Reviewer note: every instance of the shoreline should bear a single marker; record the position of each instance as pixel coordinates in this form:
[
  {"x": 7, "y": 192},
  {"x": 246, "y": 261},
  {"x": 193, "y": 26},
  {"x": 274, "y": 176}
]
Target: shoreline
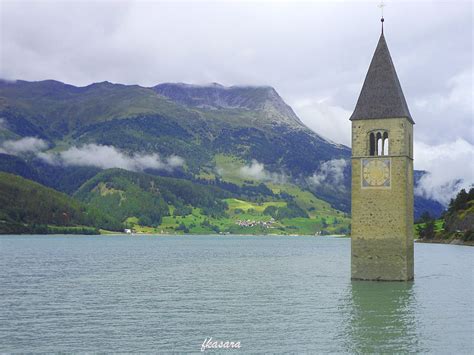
[
  {"x": 459, "y": 242},
  {"x": 181, "y": 235},
  {"x": 231, "y": 234},
  {"x": 446, "y": 241}
]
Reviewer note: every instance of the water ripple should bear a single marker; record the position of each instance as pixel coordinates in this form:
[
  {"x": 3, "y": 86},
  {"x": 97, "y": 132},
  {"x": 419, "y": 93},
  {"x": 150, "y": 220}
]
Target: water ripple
[{"x": 274, "y": 294}]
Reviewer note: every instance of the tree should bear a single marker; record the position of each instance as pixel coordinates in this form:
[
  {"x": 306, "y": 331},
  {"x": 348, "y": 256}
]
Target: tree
[
  {"x": 324, "y": 224},
  {"x": 468, "y": 235},
  {"x": 182, "y": 227},
  {"x": 271, "y": 211},
  {"x": 427, "y": 230},
  {"x": 182, "y": 210},
  {"x": 461, "y": 200},
  {"x": 425, "y": 217}
]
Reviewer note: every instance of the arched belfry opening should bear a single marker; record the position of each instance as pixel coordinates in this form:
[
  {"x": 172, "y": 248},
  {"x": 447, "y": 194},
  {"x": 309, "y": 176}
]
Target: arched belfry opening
[
  {"x": 378, "y": 143},
  {"x": 372, "y": 144},
  {"x": 385, "y": 143}
]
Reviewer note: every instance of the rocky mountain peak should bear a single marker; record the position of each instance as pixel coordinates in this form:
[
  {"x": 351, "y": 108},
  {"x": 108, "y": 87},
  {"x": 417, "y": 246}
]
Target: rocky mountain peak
[{"x": 215, "y": 96}]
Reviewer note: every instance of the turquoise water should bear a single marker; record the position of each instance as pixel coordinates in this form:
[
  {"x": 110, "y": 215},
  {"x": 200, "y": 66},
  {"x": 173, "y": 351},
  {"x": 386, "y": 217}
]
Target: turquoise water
[{"x": 272, "y": 294}]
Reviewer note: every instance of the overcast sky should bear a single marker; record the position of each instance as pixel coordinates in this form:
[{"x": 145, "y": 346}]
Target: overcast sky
[{"x": 315, "y": 54}]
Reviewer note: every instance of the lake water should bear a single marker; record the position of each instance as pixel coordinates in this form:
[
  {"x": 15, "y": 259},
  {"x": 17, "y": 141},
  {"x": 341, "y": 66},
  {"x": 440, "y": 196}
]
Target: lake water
[{"x": 273, "y": 294}]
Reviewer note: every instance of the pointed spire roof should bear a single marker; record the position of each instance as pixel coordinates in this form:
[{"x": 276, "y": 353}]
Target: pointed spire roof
[{"x": 381, "y": 95}]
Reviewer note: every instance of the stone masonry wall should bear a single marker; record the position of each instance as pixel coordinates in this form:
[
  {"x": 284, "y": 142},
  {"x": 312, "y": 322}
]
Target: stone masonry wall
[{"x": 382, "y": 218}]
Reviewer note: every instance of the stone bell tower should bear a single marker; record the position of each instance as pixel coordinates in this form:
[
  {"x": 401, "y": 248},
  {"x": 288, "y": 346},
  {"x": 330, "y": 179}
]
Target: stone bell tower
[{"x": 382, "y": 176}]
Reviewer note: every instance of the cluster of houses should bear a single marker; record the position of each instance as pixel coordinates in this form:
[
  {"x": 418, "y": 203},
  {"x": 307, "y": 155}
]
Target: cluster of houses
[{"x": 250, "y": 223}]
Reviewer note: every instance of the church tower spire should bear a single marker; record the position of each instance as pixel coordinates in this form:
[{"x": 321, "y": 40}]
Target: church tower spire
[{"x": 381, "y": 95}]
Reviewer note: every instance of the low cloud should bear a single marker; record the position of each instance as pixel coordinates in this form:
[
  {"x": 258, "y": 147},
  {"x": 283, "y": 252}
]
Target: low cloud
[
  {"x": 459, "y": 95},
  {"x": 449, "y": 167},
  {"x": 3, "y": 124},
  {"x": 454, "y": 100},
  {"x": 325, "y": 118},
  {"x": 331, "y": 171},
  {"x": 106, "y": 157},
  {"x": 23, "y": 145},
  {"x": 100, "y": 156},
  {"x": 257, "y": 171}
]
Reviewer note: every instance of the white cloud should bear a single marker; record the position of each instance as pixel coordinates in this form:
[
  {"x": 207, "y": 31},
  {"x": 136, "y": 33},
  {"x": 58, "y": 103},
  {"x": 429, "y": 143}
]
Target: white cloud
[
  {"x": 257, "y": 171},
  {"x": 106, "y": 157},
  {"x": 175, "y": 161},
  {"x": 449, "y": 111},
  {"x": 50, "y": 158},
  {"x": 326, "y": 119},
  {"x": 3, "y": 124},
  {"x": 459, "y": 94},
  {"x": 23, "y": 145},
  {"x": 450, "y": 167},
  {"x": 331, "y": 171}
]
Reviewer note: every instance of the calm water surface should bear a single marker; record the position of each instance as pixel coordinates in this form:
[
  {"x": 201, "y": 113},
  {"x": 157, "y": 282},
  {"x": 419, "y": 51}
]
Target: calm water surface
[{"x": 273, "y": 294}]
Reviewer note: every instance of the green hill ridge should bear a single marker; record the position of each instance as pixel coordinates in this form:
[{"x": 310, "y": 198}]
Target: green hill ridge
[{"x": 28, "y": 207}]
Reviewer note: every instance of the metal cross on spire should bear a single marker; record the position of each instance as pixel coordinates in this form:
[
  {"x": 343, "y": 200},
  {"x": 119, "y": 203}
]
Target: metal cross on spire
[{"x": 381, "y": 6}]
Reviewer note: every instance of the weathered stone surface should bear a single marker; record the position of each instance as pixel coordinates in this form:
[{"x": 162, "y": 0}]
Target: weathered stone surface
[
  {"x": 384, "y": 259},
  {"x": 382, "y": 217}
]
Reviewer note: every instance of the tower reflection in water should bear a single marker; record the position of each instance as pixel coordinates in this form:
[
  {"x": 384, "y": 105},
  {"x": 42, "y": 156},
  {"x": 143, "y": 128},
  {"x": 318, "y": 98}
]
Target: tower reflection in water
[{"x": 382, "y": 319}]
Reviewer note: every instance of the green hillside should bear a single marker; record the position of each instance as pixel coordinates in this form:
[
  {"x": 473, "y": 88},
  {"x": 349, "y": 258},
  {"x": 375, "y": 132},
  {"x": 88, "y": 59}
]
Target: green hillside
[
  {"x": 148, "y": 198},
  {"x": 154, "y": 204},
  {"x": 28, "y": 207},
  {"x": 245, "y": 142}
]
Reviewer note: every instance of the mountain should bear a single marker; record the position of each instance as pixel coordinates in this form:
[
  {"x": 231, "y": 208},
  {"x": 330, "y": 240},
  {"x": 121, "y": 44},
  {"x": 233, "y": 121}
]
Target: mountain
[
  {"x": 238, "y": 133},
  {"x": 157, "y": 204},
  {"x": 128, "y": 194},
  {"x": 26, "y": 206},
  {"x": 105, "y": 112},
  {"x": 264, "y": 99}
]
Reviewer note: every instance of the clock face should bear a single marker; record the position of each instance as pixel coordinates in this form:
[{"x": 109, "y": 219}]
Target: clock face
[{"x": 375, "y": 172}]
